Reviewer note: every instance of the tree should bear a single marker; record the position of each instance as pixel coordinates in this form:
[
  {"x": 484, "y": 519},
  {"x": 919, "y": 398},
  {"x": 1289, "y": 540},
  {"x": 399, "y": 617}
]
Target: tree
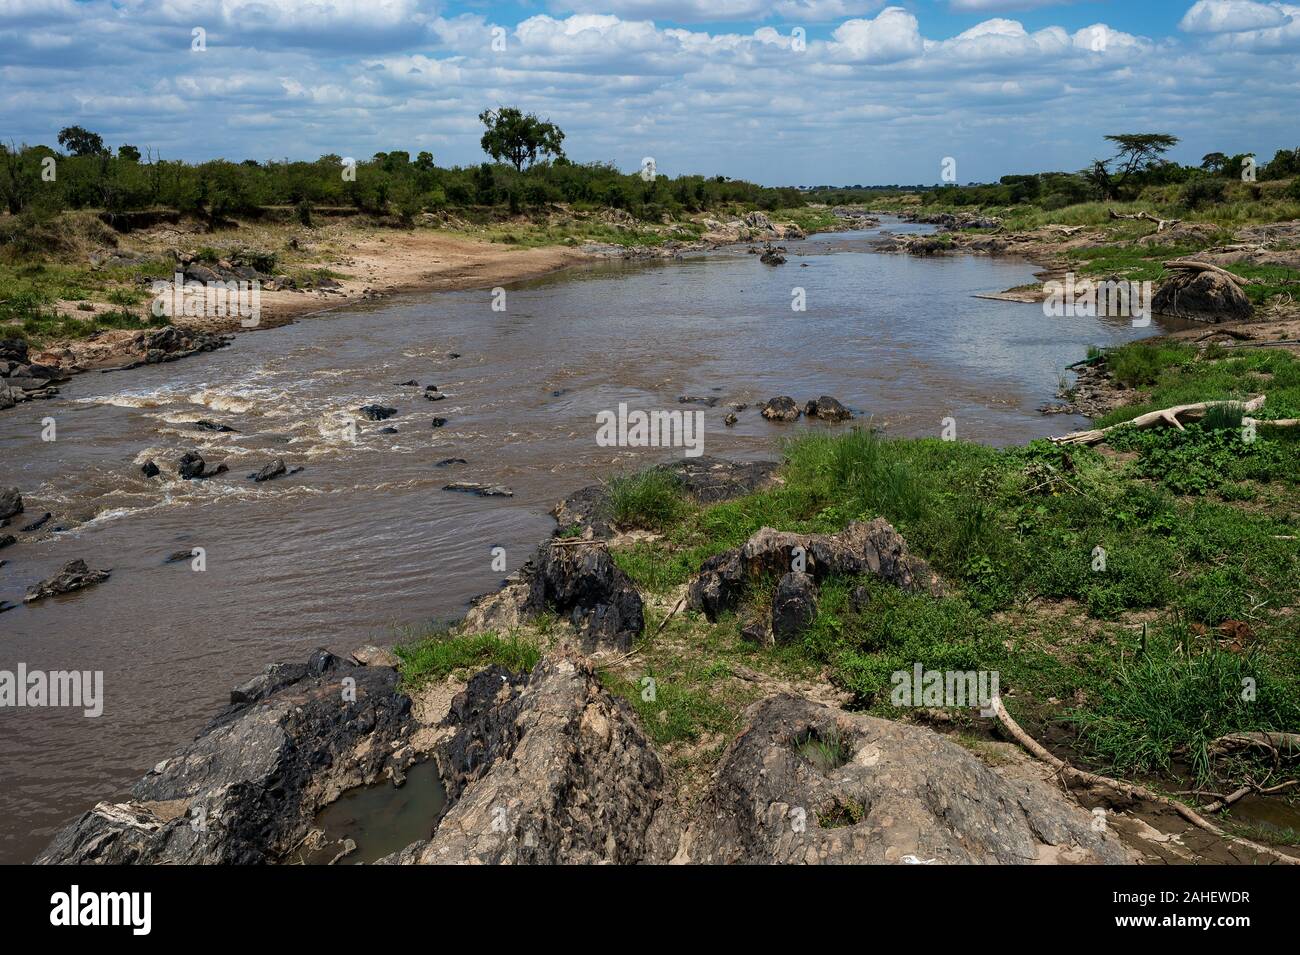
[
  {"x": 1214, "y": 162},
  {"x": 81, "y": 142},
  {"x": 518, "y": 138},
  {"x": 128, "y": 152},
  {"x": 1137, "y": 151}
]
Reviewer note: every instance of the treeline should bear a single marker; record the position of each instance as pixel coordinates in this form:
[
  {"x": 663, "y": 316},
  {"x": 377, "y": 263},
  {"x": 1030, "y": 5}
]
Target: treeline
[
  {"x": 41, "y": 180},
  {"x": 1138, "y": 166}
]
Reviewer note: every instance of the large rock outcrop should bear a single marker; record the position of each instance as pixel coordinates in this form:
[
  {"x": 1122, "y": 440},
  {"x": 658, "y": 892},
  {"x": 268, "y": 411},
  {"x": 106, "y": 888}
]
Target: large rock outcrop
[
  {"x": 246, "y": 790},
  {"x": 872, "y": 547},
  {"x": 1202, "y": 297},
  {"x": 548, "y": 768},
  {"x": 805, "y": 783}
]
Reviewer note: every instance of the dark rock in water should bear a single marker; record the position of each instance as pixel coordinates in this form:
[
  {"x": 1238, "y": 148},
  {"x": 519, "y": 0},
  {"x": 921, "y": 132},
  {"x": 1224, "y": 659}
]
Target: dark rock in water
[
  {"x": 582, "y": 582},
  {"x": 412, "y": 383},
  {"x": 270, "y": 471},
  {"x": 730, "y": 419},
  {"x": 861, "y": 548},
  {"x": 377, "y": 412},
  {"x": 248, "y": 788},
  {"x": 454, "y": 354},
  {"x": 482, "y": 490},
  {"x": 793, "y": 606},
  {"x": 388, "y": 430},
  {"x": 5, "y": 604},
  {"x": 560, "y": 392},
  {"x": 74, "y": 576},
  {"x": 449, "y": 461},
  {"x": 430, "y": 387},
  {"x": 439, "y": 422},
  {"x": 781, "y": 408},
  {"x": 7, "y": 540},
  {"x": 879, "y": 792},
  {"x": 192, "y": 467},
  {"x": 11, "y": 502},
  {"x": 434, "y": 396},
  {"x": 175, "y": 557},
  {"x": 548, "y": 768},
  {"x": 827, "y": 409},
  {"x": 708, "y": 401},
  {"x": 150, "y": 469},
  {"x": 1202, "y": 297},
  {"x": 38, "y": 523},
  {"x": 205, "y": 425},
  {"x": 772, "y": 256}
]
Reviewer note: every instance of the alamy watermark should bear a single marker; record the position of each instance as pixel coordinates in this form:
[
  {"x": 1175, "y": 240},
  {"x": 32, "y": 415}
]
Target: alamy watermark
[
  {"x": 651, "y": 429},
  {"x": 78, "y": 689},
  {"x": 956, "y": 688}
]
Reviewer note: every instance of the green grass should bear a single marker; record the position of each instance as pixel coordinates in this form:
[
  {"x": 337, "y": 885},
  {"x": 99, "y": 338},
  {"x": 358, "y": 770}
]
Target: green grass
[
  {"x": 439, "y": 653},
  {"x": 1197, "y": 528},
  {"x": 651, "y": 499}
]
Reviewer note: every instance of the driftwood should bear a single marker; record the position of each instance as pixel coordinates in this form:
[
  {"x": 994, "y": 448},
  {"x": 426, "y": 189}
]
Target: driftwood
[
  {"x": 1145, "y": 216},
  {"x": 1191, "y": 265},
  {"x": 1287, "y": 743},
  {"x": 1165, "y": 416},
  {"x": 1131, "y": 790}
]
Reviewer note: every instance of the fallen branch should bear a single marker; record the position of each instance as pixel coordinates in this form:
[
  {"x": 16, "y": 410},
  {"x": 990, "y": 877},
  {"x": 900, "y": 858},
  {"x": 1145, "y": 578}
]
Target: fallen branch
[
  {"x": 1132, "y": 790},
  {"x": 1288, "y": 743},
  {"x": 1160, "y": 223},
  {"x": 1165, "y": 416},
  {"x": 1191, "y": 265}
]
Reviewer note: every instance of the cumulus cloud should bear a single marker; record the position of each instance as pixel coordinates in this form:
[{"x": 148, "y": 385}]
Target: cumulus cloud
[
  {"x": 1233, "y": 16},
  {"x": 872, "y": 96}
]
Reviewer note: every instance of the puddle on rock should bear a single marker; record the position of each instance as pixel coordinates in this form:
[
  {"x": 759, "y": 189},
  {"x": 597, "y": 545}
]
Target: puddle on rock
[{"x": 379, "y": 819}]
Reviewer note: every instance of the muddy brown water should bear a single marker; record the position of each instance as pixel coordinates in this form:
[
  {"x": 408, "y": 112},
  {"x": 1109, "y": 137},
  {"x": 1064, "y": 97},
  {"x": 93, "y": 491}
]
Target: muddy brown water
[{"x": 364, "y": 540}]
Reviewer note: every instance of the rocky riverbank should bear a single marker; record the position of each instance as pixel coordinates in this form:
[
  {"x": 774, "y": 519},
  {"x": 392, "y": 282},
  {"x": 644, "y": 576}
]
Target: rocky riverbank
[{"x": 547, "y": 765}]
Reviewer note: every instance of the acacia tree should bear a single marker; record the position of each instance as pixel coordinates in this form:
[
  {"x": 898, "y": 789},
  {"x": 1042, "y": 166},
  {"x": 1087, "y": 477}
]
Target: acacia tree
[
  {"x": 519, "y": 138},
  {"x": 1138, "y": 152}
]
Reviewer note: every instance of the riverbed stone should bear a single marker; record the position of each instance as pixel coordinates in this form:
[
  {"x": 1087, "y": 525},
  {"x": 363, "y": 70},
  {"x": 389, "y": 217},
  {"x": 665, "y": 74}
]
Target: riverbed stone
[
  {"x": 11, "y": 502},
  {"x": 827, "y": 408},
  {"x": 781, "y": 408},
  {"x": 547, "y": 768},
  {"x": 805, "y": 783},
  {"x": 247, "y": 789},
  {"x": 75, "y": 575}
]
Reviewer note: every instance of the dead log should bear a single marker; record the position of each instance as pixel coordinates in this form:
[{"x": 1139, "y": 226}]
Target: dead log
[
  {"x": 1147, "y": 217},
  {"x": 1165, "y": 416},
  {"x": 1131, "y": 790}
]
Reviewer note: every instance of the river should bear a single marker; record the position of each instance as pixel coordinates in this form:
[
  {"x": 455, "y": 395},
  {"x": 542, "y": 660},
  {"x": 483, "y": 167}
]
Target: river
[{"x": 365, "y": 540}]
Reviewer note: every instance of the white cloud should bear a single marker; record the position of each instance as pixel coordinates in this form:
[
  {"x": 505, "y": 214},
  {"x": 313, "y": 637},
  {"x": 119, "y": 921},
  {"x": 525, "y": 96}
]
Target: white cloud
[
  {"x": 893, "y": 35},
  {"x": 1233, "y": 16}
]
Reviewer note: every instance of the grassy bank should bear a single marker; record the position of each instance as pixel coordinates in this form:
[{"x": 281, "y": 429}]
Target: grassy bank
[{"x": 1134, "y": 666}]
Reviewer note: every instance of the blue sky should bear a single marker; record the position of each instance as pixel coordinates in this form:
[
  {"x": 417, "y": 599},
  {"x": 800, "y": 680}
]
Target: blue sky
[{"x": 779, "y": 91}]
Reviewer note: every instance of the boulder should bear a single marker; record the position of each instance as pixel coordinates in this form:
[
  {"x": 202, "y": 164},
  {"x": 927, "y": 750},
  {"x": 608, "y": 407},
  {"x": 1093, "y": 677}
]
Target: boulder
[
  {"x": 376, "y": 412},
  {"x": 547, "y": 768},
  {"x": 150, "y": 469},
  {"x": 482, "y": 490},
  {"x": 11, "y": 502},
  {"x": 811, "y": 784},
  {"x": 794, "y": 605},
  {"x": 270, "y": 471},
  {"x": 248, "y": 788},
  {"x": 781, "y": 408},
  {"x": 74, "y": 576},
  {"x": 192, "y": 467},
  {"x": 583, "y": 583},
  {"x": 1202, "y": 297},
  {"x": 827, "y": 409},
  {"x": 871, "y": 547}
]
